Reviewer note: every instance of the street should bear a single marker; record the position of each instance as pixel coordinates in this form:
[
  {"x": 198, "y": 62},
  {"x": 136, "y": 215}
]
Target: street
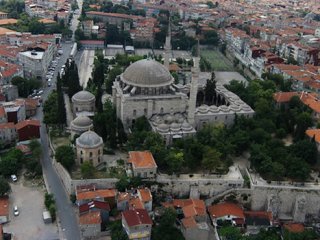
[{"x": 65, "y": 211}]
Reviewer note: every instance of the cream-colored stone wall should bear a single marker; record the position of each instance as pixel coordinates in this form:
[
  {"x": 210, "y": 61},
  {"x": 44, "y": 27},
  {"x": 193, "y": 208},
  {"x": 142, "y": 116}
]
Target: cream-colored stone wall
[
  {"x": 83, "y": 106},
  {"x": 93, "y": 155}
]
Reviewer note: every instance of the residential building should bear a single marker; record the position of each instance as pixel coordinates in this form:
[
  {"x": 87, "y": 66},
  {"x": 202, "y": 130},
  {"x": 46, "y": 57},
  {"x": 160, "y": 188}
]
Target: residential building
[
  {"x": 96, "y": 206},
  {"x": 10, "y": 92},
  {"x": 137, "y": 224},
  {"x": 8, "y": 71},
  {"x": 92, "y": 44},
  {"x": 103, "y": 195},
  {"x": 257, "y": 220},
  {"x": 15, "y": 110},
  {"x": 145, "y": 196},
  {"x": 28, "y": 129},
  {"x": 3, "y": 115},
  {"x": 4, "y": 210},
  {"x": 226, "y": 212},
  {"x": 8, "y": 134},
  {"x": 112, "y": 18},
  {"x": 36, "y": 61},
  {"x": 87, "y": 27},
  {"x": 142, "y": 164},
  {"x": 3, "y": 15},
  {"x": 90, "y": 224}
]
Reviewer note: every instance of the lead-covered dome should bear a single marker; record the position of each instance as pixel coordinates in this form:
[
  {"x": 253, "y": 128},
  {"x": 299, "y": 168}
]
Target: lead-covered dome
[
  {"x": 89, "y": 139},
  {"x": 82, "y": 121},
  {"x": 147, "y": 73},
  {"x": 83, "y": 96}
]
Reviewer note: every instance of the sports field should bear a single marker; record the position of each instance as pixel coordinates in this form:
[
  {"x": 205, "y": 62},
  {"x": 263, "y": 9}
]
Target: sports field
[{"x": 217, "y": 60}]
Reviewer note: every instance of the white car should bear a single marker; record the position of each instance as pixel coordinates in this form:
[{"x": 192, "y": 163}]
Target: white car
[
  {"x": 14, "y": 178},
  {"x": 16, "y": 211}
]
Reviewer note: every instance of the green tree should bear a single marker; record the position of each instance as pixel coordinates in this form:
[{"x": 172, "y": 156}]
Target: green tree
[
  {"x": 87, "y": 170},
  {"x": 211, "y": 159},
  {"x": 175, "y": 161},
  {"x": 61, "y": 114},
  {"x": 113, "y": 73},
  {"x": 11, "y": 162},
  {"x": 165, "y": 229},
  {"x": 50, "y": 109},
  {"x": 117, "y": 231},
  {"x": 4, "y": 187},
  {"x": 65, "y": 155},
  {"x": 25, "y": 86}
]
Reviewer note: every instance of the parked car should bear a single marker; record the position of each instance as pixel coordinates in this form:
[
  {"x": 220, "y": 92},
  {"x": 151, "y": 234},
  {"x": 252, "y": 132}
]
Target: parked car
[
  {"x": 14, "y": 178},
  {"x": 16, "y": 211}
]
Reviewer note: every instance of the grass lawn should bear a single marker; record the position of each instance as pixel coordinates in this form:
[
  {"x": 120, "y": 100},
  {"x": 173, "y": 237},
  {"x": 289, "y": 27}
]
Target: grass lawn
[{"x": 217, "y": 60}]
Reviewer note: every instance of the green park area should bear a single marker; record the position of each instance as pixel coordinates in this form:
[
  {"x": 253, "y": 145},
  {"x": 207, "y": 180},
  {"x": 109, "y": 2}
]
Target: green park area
[{"x": 217, "y": 60}]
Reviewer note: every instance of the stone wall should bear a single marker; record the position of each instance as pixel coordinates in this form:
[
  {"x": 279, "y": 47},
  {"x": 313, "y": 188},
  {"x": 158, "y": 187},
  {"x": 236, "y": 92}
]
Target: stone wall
[
  {"x": 206, "y": 186},
  {"x": 285, "y": 199}
]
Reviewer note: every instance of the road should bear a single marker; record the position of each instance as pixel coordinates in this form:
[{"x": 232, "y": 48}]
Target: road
[{"x": 66, "y": 214}]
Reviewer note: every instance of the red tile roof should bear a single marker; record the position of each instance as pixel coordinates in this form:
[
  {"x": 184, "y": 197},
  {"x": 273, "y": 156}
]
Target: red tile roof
[
  {"x": 99, "y": 193},
  {"x": 284, "y": 97},
  {"x": 294, "y": 227},
  {"x": 25, "y": 123},
  {"x": 197, "y": 208},
  {"x": 136, "y": 217},
  {"x": 94, "y": 204},
  {"x": 90, "y": 218},
  {"x": 4, "y": 206},
  {"x": 2, "y": 111},
  {"x": 9, "y": 125},
  {"x": 314, "y": 133},
  {"x": 145, "y": 194},
  {"x": 135, "y": 203},
  {"x": 225, "y": 209},
  {"x": 189, "y": 222},
  {"x": 140, "y": 159}
]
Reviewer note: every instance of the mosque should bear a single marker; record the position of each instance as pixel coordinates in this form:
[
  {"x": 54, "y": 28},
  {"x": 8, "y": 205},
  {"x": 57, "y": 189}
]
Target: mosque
[{"x": 146, "y": 88}]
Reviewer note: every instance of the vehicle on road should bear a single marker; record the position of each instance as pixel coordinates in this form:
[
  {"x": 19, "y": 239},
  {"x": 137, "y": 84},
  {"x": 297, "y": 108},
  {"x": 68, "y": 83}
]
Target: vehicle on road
[
  {"x": 40, "y": 92},
  {"x": 16, "y": 211},
  {"x": 14, "y": 178}
]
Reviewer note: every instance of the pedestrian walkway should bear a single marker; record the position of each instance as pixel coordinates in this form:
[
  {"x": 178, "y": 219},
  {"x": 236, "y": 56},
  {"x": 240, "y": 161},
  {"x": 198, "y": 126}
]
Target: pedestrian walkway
[{"x": 68, "y": 109}]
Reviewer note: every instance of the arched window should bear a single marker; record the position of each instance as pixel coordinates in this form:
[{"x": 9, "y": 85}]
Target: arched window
[
  {"x": 134, "y": 113},
  {"x": 161, "y": 110}
]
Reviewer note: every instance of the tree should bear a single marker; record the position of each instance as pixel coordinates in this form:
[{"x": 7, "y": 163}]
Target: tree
[
  {"x": 210, "y": 89},
  {"x": 113, "y": 73},
  {"x": 117, "y": 232},
  {"x": 165, "y": 229},
  {"x": 65, "y": 155},
  {"x": 4, "y": 187},
  {"x": 11, "y": 162},
  {"x": 306, "y": 150},
  {"x": 211, "y": 159},
  {"x": 87, "y": 170},
  {"x": 50, "y": 109},
  {"x": 230, "y": 233},
  {"x": 35, "y": 148},
  {"x": 175, "y": 161},
  {"x": 60, "y": 103},
  {"x": 25, "y": 86}
]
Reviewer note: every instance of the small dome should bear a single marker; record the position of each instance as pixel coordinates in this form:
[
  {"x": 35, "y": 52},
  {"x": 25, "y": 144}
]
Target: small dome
[
  {"x": 169, "y": 119},
  {"x": 186, "y": 126},
  {"x": 203, "y": 109},
  {"x": 235, "y": 108},
  {"x": 214, "y": 109},
  {"x": 175, "y": 127},
  {"x": 224, "y": 108},
  {"x": 82, "y": 121},
  {"x": 147, "y": 73},
  {"x": 89, "y": 139},
  {"x": 163, "y": 127},
  {"x": 83, "y": 96}
]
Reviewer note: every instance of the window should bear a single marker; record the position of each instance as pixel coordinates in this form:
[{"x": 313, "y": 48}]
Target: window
[
  {"x": 81, "y": 152},
  {"x": 134, "y": 112},
  {"x": 98, "y": 159},
  {"x": 161, "y": 110},
  {"x": 145, "y": 111},
  {"x": 90, "y": 154},
  {"x": 99, "y": 151},
  {"x": 81, "y": 160}
]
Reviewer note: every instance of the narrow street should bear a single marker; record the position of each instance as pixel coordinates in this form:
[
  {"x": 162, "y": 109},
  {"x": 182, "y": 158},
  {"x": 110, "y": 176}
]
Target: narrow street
[{"x": 65, "y": 210}]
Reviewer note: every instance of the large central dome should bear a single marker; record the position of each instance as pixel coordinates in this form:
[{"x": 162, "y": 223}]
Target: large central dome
[{"x": 147, "y": 73}]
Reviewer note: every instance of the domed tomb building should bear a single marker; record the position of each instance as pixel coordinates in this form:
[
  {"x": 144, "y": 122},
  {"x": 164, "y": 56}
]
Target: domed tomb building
[
  {"x": 80, "y": 125},
  {"x": 89, "y": 148},
  {"x": 83, "y": 103}
]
